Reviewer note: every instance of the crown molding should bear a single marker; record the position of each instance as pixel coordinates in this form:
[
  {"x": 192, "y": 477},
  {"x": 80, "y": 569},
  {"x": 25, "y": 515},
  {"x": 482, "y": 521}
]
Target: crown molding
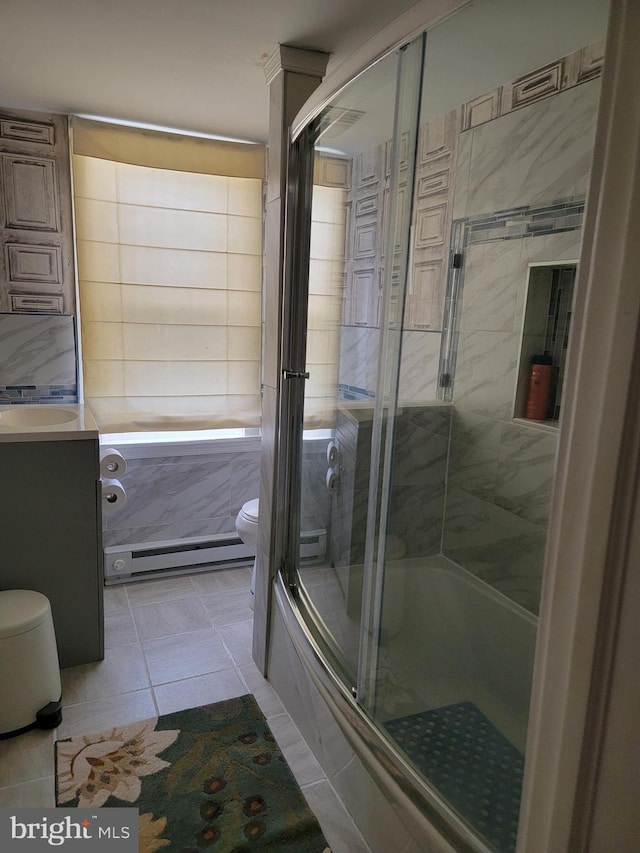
[{"x": 298, "y": 60}]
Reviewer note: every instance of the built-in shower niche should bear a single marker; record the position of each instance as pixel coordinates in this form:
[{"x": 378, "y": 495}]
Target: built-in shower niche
[{"x": 547, "y": 320}]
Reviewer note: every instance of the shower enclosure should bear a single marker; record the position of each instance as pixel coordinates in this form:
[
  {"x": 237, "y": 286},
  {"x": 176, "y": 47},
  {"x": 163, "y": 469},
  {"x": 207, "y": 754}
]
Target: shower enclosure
[{"x": 437, "y": 203}]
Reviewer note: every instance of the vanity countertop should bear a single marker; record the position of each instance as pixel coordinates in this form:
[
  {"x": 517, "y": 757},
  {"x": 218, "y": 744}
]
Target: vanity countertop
[{"x": 46, "y": 422}]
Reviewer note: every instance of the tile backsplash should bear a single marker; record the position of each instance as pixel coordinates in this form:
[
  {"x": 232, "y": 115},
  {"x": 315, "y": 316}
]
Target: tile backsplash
[{"x": 37, "y": 359}]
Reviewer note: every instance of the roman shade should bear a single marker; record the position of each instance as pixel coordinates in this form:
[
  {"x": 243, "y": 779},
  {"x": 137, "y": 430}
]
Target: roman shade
[{"x": 169, "y": 246}]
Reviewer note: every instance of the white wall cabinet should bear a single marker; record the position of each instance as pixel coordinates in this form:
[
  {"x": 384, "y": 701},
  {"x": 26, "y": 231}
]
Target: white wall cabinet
[{"x": 36, "y": 234}]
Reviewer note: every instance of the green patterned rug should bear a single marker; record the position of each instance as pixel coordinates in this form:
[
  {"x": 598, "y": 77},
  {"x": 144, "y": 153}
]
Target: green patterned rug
[{"x": 210, "y": 778}]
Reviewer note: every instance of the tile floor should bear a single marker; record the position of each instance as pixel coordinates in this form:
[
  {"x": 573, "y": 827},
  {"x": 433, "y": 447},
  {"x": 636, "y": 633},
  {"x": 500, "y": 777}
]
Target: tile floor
[{"x": 171, "y": 644}]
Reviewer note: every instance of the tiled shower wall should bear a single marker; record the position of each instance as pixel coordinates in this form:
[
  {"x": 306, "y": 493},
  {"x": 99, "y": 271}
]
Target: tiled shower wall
[
  {"x": 37, "y": 359},
  {"x": 516, "y": 185},
  {"x": 421, "y": 440},
  {"x": 442, "y": 194},
  {"x": 359, "y": 363},
  {"x": 501, "y": 469}
]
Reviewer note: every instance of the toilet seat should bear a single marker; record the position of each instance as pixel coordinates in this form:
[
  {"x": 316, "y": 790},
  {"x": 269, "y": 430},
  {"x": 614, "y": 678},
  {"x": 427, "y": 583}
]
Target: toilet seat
[{"x": 249, "y": 511}]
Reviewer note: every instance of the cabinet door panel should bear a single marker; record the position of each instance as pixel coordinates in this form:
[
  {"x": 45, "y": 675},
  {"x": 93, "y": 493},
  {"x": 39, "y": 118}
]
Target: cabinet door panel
[
  {"x": 27, "y": 131},
  {"x": 30, "y": 193},
  {"x": 28, "y": 264}
]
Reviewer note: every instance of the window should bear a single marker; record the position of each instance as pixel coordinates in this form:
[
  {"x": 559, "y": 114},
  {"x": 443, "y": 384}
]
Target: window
[{"x": 169, "y": 242}]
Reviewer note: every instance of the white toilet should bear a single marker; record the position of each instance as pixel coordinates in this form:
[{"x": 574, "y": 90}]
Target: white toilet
[{"x": 247, "y": 530}]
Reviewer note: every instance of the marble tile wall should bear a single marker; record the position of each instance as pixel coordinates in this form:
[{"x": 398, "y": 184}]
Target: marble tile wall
[
  {"x": 358, "y": 365},
  {"x": 178, "y": 496},
  {"x": 501, "y": 470},
  {"x": 519, "y": 183},
  {"x": 183, "y": 495},
  {"x": 419, "y": 365},
  {"x": 418, "y": 481},
  {"x": 538, "y": 154},
  {"x": 497, "y": 546},
  {"x": 316, "y": 499},
  {"x": 37, "y": 359},
  {"x": 419, "y": 478},
  {"x": 350, "y": 499},
  {"x": 359, "y": 355}
]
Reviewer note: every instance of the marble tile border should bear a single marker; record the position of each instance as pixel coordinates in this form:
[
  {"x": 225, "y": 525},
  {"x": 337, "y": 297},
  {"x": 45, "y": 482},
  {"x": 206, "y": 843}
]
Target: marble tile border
[
  {"x": 523, "y": 222},
  {"x": 352, "y": 392},
  {"x": 12, "y": 395},
  {"x": 564, "y": 73}
]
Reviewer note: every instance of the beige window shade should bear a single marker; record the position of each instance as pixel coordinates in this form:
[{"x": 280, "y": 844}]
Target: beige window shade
[
  {"x": 174, "y": 151},
  {"x": 170, "y": 270},
  {"x": 326, "y": 297}
]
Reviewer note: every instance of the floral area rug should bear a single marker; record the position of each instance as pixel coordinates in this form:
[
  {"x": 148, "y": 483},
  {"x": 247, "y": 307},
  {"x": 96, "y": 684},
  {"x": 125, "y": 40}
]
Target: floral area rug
[{"x": 210, "y": 778}]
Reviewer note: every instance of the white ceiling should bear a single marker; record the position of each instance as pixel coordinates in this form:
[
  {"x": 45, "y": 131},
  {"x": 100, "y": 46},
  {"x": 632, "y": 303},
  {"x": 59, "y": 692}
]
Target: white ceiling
[{"x": 189, "y": 64}]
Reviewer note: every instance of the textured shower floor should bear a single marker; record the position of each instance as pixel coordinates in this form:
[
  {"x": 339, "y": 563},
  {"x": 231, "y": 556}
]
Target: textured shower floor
[{"x": 471, "y": 763}]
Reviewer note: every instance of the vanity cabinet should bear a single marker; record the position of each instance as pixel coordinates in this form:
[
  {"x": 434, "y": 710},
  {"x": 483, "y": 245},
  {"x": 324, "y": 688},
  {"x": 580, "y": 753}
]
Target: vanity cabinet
[{"x": 51, "y": 537}]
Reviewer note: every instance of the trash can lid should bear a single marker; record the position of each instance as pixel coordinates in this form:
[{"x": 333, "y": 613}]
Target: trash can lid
[{"x": 21, "y": 610}]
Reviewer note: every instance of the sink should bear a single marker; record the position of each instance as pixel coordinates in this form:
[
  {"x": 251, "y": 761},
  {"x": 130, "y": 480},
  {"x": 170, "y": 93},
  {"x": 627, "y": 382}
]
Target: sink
[{"x": 36, "y": 416}]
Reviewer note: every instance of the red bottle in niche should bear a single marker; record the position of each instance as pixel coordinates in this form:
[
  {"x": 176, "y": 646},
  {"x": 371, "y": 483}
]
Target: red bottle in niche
[{"x": 539, "y": 387}]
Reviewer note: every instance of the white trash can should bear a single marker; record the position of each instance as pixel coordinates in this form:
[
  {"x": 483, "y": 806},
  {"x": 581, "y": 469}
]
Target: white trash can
[{"x": 29, "y": 667}]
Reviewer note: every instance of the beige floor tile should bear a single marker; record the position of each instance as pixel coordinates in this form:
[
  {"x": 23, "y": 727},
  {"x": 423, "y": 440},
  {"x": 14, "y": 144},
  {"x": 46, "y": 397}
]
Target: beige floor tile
[
  {"x": 26, "y": 757},
  {"x": 369, "y": 805},
  {"x": 164, "y": 589},
  {"x": 299, "y": 757},
  {"x": 202, "y": 690},
  {"x": 185, "y": 656},
  {"x": 266, "y": 696},
  {"x": 119, "y": 628},
  {"x": 198, "y": 665},
  {"x": 171, "y": 617},
  {"x": 337, "y": 825},
  {"x": 228, "y": 607},
  {"x": 238, "y": 638},
  {"x": 36, "y": 793},
  {"x": 104, "y": 713},
  {"x": 222, "y": 580},
  {"x": 122, "y": 670},
  {"x": 115, "y": 598}
]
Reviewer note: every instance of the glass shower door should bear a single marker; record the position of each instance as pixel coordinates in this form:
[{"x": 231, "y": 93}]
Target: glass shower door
[
  {"x": 363, "y": 150},
  {"x": 445, "y": 209},
  {"x": 505, "y": 143}
]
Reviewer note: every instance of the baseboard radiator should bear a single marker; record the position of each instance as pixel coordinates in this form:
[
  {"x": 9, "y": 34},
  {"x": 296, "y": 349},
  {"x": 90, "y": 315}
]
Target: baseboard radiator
[{"x": 123, "y": 563}]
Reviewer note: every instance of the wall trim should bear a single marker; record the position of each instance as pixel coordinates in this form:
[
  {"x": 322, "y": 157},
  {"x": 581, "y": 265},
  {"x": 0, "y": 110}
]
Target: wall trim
[{"x": 297, "y": 60}]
